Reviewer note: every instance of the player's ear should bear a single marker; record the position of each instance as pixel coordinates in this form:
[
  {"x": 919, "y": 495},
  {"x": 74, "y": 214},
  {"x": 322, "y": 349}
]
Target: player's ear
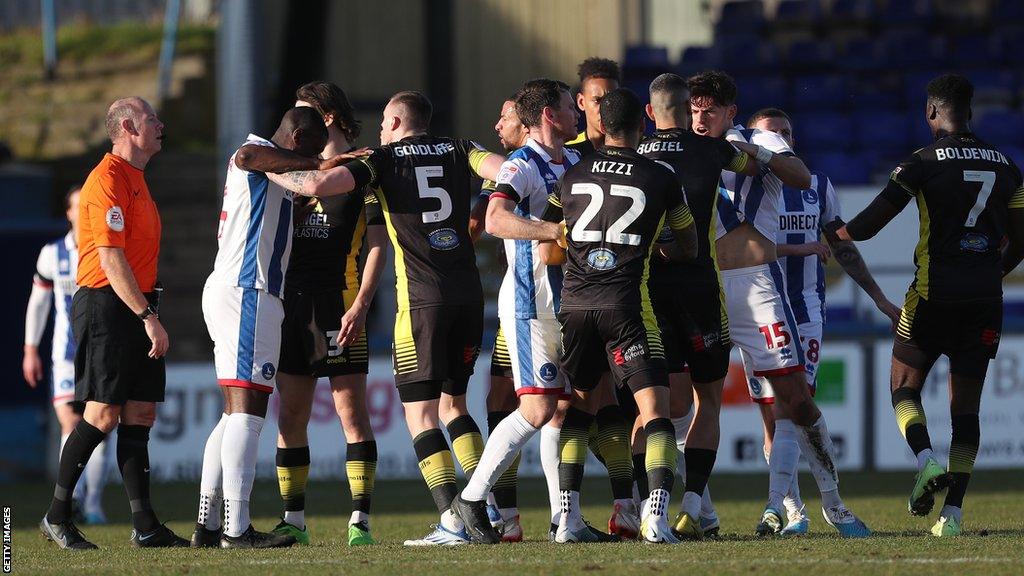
[
  {"x": 600, "y": 126},
  {"x": 395, "y": 123},
  {"x": 730, "y": 112},
  {"x": 580, "y": 100},
  {"x": 328, "y": 119},
  {"x": 128, "y": 126},
  {"x": 650, "y": 112}
]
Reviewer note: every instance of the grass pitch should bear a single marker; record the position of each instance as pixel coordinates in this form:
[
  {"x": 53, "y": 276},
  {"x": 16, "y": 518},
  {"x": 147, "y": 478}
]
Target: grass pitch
[{"x": 993, "y": 519}]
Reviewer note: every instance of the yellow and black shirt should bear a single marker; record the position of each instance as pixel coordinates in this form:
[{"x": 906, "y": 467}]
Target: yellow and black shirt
[
  {"x": 422, "y": 186},
  {"x": 698, "y": 162},
  {"x": 964, "y": 189},
  {"x": 582, "y": 145},
  {"x": 614, "y": 203}
]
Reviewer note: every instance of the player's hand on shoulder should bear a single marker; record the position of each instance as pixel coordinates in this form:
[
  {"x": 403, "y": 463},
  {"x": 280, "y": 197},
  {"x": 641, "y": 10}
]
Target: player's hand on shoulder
[{"x": 338, "y": 160}]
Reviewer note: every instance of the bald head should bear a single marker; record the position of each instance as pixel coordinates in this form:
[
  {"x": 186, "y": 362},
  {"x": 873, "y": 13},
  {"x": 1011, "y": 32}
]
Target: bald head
[
  {"x": 131, "y": 108},
  {"x": 669, "y": 101},
  {"x": 302, "y": 130}
]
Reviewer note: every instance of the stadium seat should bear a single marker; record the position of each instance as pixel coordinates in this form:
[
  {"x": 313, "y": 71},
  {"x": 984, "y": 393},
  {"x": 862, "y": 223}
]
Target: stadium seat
[
  {"x": 973, "y": 51},
  {"x": 639, "y": 58},
  {"x": 914, "y": 49},
  {"x": 1001, "y": 128},
  {"x": 745, "y": 54},
  {"x": 823, "y": 131},
  {"x": 696, "y": 58},
  {"x": 852, "y": 11},
  {"x": 820, "y": 92},
  {"x": 810, "y": 55},
  {"x": 841, "y": 168},
  {"x": 797, "y": 12},
  {"x": 914, "y": 84},
  {"x": 740, "y": 18},
  {"x": 994, "y": 87},
  {"x": 915, "y": 14},
  {"x": 863, "y": 54},
  {"x": 882, "y": 130},
  {"x": 1008, "y": 12},
  {"x": 1014, "y": 153},
  {"x": 756, "y": 92},
  {"x": 877, "y": 90},
  {"x": 1009, "y": 44}
]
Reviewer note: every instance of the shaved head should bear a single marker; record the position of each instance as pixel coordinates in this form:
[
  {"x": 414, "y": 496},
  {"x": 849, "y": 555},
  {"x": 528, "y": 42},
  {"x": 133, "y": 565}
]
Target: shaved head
[
  {"x": 670, "y": 99},
  {"x": 131, "y": 108}
]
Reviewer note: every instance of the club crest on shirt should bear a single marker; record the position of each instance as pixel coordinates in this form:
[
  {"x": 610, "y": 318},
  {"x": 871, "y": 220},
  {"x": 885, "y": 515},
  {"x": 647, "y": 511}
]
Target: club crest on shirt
[
  {"x": 601, "y": 259},
  {"x": 810, "y": 196},
  {"x": 548, "y": 372},
  {"x": 443, "y": 239},
  {"x": 268, "y": 370}
]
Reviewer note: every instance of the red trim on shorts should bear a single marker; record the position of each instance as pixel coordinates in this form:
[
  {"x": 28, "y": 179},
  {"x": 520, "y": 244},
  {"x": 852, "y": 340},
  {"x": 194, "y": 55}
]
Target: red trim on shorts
[
  {"x": 64, "y": 398},
  {"x": 770, "y": 400},
  {"x": 42, "y": 284},
  {"x": 497, "y": 194},
  {"x": 779, "y": 371},
  {"x": 235, "y": 383},
  {"x": 539, "y": 390}
]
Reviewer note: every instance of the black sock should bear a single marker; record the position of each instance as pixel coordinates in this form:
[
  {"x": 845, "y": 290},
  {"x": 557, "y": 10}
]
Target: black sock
[
  {"x": 133, "y": 461},
  {"x": 911, "y": 419},
  {"x": 292, "y": 473},
  {"x": 77, "y": 450},
  {"x": 962, "y": 452},
  {"x": 640, "y": 475},
  {"x": 699, "y": 463},
  {"x": 361, "y": 467},
  {"x": 662, "y": 454},
  {"x": 613, "y": 443},
  {"x": 437, "y": 467},
  {"x": 572, "y": 444}
]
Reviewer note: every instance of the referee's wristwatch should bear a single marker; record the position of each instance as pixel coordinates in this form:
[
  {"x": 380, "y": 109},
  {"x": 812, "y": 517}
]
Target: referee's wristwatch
[{"x": 149, "y": 311}]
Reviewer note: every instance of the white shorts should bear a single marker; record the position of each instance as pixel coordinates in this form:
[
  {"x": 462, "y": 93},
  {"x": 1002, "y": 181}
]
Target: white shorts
[
  {"x": 245, "y": 326},
  {"x": 534, "y": 349},
  {"x": 761, "y": 321},
  {"x": 810, "y": 336},
  {"x": 63, "y": 382}
]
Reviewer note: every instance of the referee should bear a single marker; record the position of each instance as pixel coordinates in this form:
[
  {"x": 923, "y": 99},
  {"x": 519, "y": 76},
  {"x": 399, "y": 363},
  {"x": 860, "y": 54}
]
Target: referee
[{"x": 119, "y": 366}]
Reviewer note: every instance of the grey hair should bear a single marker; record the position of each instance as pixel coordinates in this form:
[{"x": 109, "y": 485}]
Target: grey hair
[{"x": 122, "y": 109}]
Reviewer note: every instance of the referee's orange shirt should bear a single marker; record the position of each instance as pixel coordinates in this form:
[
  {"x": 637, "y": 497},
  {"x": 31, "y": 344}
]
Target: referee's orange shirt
[{"x": 116, "y": 210}]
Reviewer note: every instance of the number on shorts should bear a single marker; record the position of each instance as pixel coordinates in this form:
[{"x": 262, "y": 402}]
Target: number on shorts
[
  {"x": 813, "y": 350},
  {"x": 774, "y": 335},
  {"x": 615, "y": 234},
  {"x": 988, "y": 180},
  {"x": 332, "y": 343},
  {"x": 427, "y": 191}
]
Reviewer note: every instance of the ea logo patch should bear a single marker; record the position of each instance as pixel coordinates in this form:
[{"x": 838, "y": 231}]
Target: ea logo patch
[
  {"x": 548, "y": 372},
  {"x": 755, "y": 386},
  {"x": 268, "y": 371},
  {"x": 601, "y": 259},
  {"x": 810, "y": 196},
  {"x": 115, "y": 219},
  {"x": 444, "y": 239},
  {"x": 666, "y": 235},
  {"x": 972, "y": 242}
]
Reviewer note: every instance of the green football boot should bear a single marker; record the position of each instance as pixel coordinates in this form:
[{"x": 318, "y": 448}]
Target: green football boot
[
  {"x": 286, "y": 529},
  {"x": 930, "y": 481},
  {"x": 946, "y": 527},
  {"x": 359, "y": 534}
]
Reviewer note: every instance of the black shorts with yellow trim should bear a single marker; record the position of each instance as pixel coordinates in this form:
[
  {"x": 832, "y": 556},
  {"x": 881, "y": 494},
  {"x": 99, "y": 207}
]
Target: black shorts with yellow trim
[
  {"x": 435, "y": 350},
  {"x": 626, "y": 339},
  {"x": 309, "y": 334},
  {"x": 694, "y": 328},
  {"x": 966, "y": 332},
  {"x": 501, "y": 362}
]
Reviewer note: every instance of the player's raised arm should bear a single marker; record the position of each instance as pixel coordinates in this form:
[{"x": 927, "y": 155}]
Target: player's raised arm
[
  {"x": 886, "y": 206},
  {"x": 485, "y": 164},
  {"x": 500, "y": 219},
  {"x": 772, "y": 151},
  {"x": 257, "y": 158}
]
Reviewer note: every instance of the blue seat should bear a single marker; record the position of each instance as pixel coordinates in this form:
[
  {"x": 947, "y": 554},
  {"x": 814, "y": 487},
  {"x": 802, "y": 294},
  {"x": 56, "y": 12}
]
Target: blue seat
[
  {"x": 756, "y": 92},
  {"x": 796, "y": 12},
  {"x": 823, "y": 131},
  {"x": 875, "y": 90},
  {"x": 914, "y": 84},
  {"x": 883, "y": 131},
  {"x": 907, "y": 13},
  {"x": 864, "y": 54},
  {"x": 1001, "y": 127},
  {"x": 994, "y": 86},
  {"x": 973, "y": 51},
  {"x": 1014, "y": 153},
  {"x": 852, "y": 10},
  {"x": 740, "y": 18},
  {"x": 820, "y": 92},
  {"x": 646, "y": 57},
  {"x": 914, "y": 49},
  {"x": 808, "y": 55},
  {"x": 1008, "y": 11},
  {"x": 840, "y": 167},
  {"x": 1009, "y": 43},
  {"x": 696, "y": 58},
  {"x": 920, "y": 133}
]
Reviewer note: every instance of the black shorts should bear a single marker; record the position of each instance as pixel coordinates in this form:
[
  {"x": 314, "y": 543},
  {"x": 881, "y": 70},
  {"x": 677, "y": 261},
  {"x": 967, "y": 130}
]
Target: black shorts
[
  {"x": 435, "y": 349},
  {"x": 694, "y": 329},
  {"x": 966, "y": 332},
  {"x": 112, "y": 363},
  {"x": 625, "y": 341},
  {"x": 309, "y": 335},
  {"x": 501, "y": 363}
]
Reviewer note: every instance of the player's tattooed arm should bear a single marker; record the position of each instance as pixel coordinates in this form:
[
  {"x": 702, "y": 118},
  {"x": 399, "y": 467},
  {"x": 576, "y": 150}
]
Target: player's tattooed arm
[
  {"x": 331, "y": 182},
  {"x": 849, "y": 257},
  {"x": 257, "y": 158}
]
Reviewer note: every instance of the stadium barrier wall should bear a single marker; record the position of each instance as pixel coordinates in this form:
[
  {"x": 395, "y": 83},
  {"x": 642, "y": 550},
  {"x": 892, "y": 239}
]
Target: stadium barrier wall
[{"x": 193, "y": 406}]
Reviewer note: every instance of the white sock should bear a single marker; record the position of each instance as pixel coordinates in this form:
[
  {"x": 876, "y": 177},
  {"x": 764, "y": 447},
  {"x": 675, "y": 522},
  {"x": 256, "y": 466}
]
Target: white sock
[
  {"x": 816, "y": 445},
  {"x": 782, "y": 462},
  {"x": 490, "y": 496},
  {"x": 503, "y": 445},
  {"x": 922, "y": 458},
  {"x": 239, "y": 447},
  {"x": 692, "y": 504},
  {"x": 451, "y": 522},
  {"x": 549, "y": 458},
  {"x": 210, "y": 495},
  {"x": 657, "y": 503},
  {"x": 296, "y": 518},
  {"x": 569, "y": 508},
  {"x": 359, "y": 516},
  {"x": 952, "y": 512},
  {"x": 707, "y": 508},
  {"x": 508, "y": 513},
  {"x": 794, "y": 505},
  {"x": 95, "y": 477}
]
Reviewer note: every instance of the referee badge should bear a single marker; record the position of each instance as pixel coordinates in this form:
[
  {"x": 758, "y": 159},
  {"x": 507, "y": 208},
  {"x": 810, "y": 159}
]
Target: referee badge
[{"x": 115, "y": 219}]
